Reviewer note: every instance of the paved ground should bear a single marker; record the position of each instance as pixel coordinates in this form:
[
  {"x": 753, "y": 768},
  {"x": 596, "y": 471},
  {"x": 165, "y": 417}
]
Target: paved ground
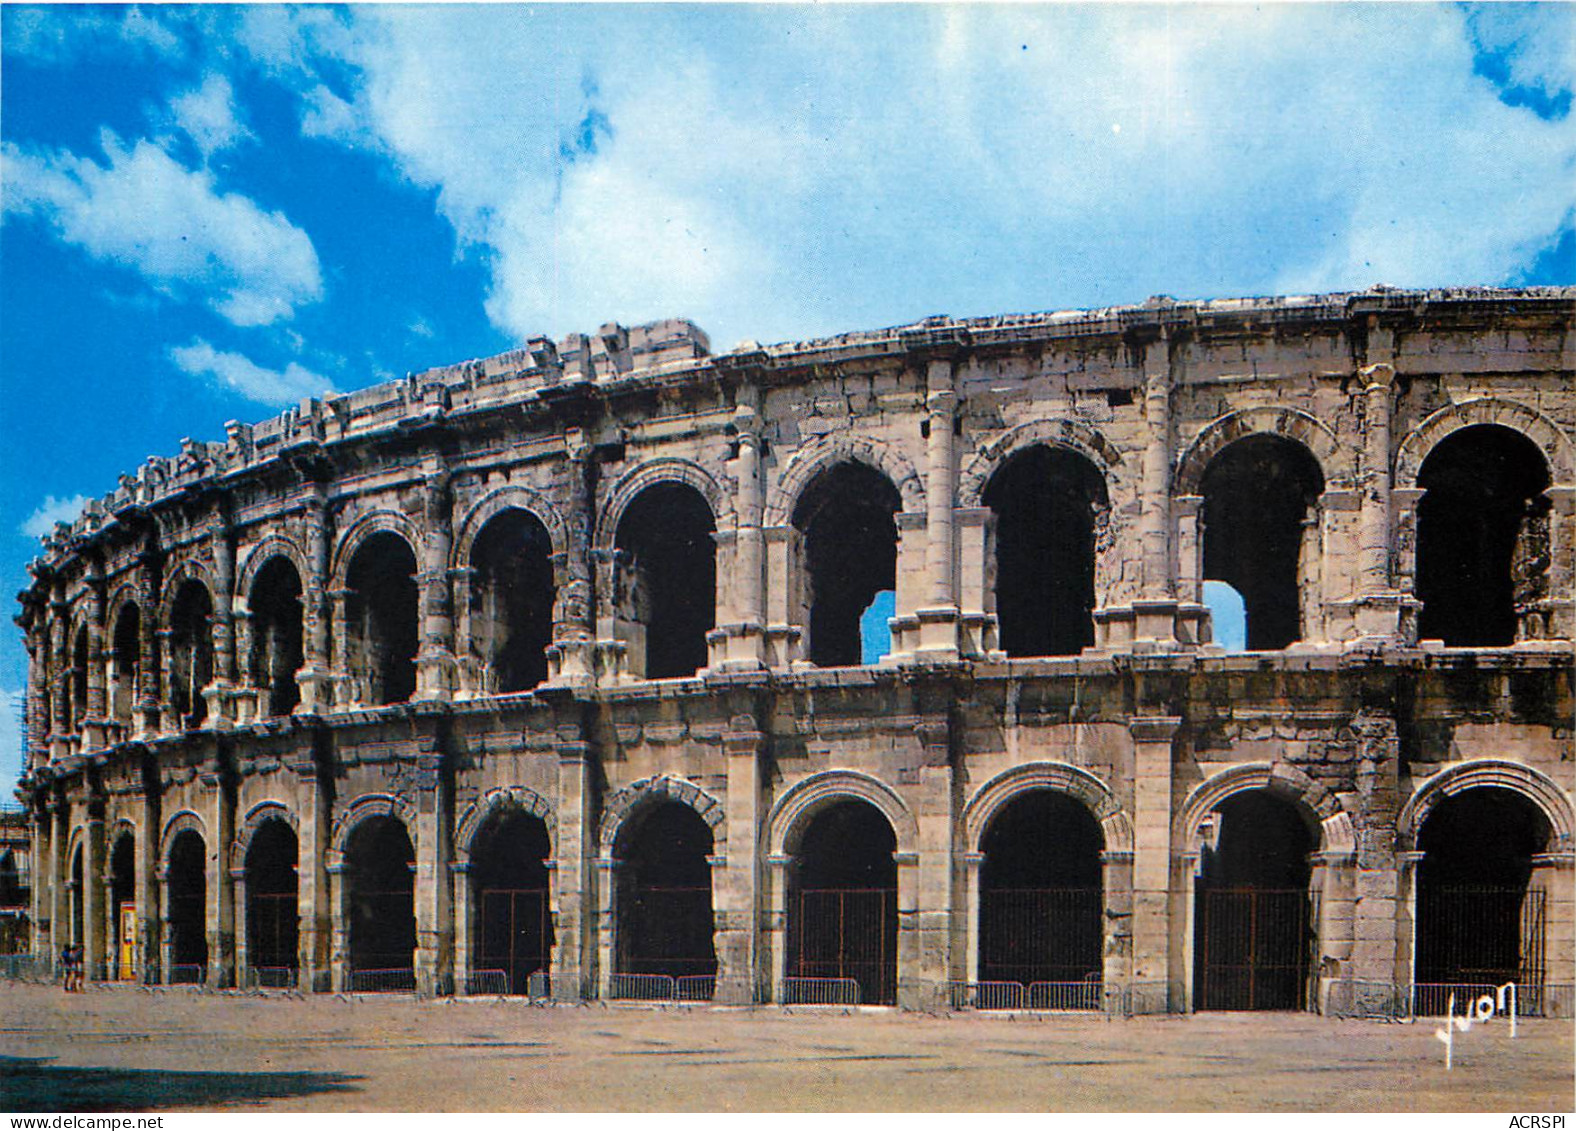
[{"x": 129, "y": 1049}]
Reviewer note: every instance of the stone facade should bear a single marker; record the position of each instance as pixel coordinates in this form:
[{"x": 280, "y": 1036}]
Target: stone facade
[{"x": 299, "y": 627}]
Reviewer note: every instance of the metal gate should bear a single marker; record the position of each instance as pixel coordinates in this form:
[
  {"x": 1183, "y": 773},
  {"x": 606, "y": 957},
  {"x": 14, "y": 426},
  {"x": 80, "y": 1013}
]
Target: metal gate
[
  {"x": 383, "y": 930},
  {"x": 1040, "y": 935},
  {"x": 847, "y": 933},
  {"x": 667, "y": 930},
  {"x": 514, "y": 936},
  {"x": 1480, "y": 935},
  {"x": 1252, "y": 949},
  {"x": 272, "y": 931}
]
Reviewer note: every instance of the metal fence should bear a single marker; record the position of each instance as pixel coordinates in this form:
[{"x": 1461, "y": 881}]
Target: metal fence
[
  {"x": 643, "y": 987},
  {"x": 1252, "y": 948},
  {"x": 26, "y": 968},
  {"x": 695, "y": 987},
  {"x": 1391, "y": 1001},
  {"x": 846, "y": 934},
  {"x": 187, "y": 974},
  {"x": 272, "y": 977},
  {"x": 819, "y": 991},
  {"x": 487, "y": 983},
  {"x": 395, "y": 981},
  {"x": 539, "y": 987},
  {"x": 1082, "y": 996},
  {"x": 1087, "y": 996}
]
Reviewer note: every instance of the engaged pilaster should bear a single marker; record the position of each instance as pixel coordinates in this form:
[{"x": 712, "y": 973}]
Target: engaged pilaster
[{"x": 1153, "y": 975}]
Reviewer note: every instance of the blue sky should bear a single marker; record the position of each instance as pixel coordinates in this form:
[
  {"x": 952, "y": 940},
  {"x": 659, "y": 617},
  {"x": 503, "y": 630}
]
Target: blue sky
[{"x": 210, "y": 212}]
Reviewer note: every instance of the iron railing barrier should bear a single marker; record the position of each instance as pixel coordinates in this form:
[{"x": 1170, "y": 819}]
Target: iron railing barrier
[
  {"x": 642, "y": 987},
  {"x": 1089, "y": 996},
  {"x": 487, "y": 983},
  {"x": 1432, "y": 999},
  {"x": 695, "y": 987},
  {"x": 271, "y": 977},
  {"x": 819, "y": 991},
  {"x": 539, "y": 986},
  {"x": 1067, "y": 996},
  {"x": 985, "y": 995},
  {"x": 188, "y": 974},
  {"x": 27, "y": 968},
  {"x": 397, "y": 981}
]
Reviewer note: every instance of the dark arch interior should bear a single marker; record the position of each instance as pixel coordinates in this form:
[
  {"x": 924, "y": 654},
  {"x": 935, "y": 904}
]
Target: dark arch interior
[
  {"x": 382, "y": 617},
  {"x": 843, "y": 906},
  {"x": 512, "y": 600},
  {"x": 277, "y": 633},
  {"x": 188, "y": 898},
  {"x": 1257, "y": 491},
  {"x": 79, "y": 678},
  {"x": 1046, "y": 502},
  {"x": 10, "y": 880},
  {"x": 665, "y": 920},
  {"x": 1482, "y": 535},
  {"x": 78, "y": 894},
  {"x": 847, "y": 518},
  {"x": 669, "y": 577},
  {"x": 191, "y": 652},
  {"x": 123, "y": 900},
  {"x": 1477, "y": 922},
  {"x": 509, "y": 871},
  {"x": 380, "y": 870},
  {"x": 271, "y": 889},
  {"x": 1041, "y": 906},
  {"x": 126, "y": 662},
  {"x": 1253, "y": 934}
]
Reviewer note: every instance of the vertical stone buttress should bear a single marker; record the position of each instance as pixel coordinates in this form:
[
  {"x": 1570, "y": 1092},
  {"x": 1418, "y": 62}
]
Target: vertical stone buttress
[
  {"x": 574, "y": 970},
  {"x": 435, "y": 663},
  {"x": 1376, "y": 947},
  {"x": 938, "y": 617},
  {"x": 737, "y": 887},
  {"x": 220, "y": 693},
  {"x": 1153, "y": 906},
  {"x": 434, "y": 892},
  {"x": 315, "y": 678},
  {"x": 935, "y": 803}
]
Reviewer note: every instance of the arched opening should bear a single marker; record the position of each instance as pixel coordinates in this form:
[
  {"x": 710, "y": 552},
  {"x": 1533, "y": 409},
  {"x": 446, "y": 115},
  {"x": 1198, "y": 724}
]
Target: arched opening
[
  {"x": 1479, "y": 922},
  {"x": 1227, "y": 615},
  {"x": 1252, "y": 941},
  {"x": 1041, "y": 902},
  {"x": 665, "y": 923},
  {"x": 186, "y": 901},
  {"x": 79, "y": 678},
  {"x": 514, "y": 929},
  {"x": 380, "y": 878},
  {"x": 275, "y": 604},
  {"x": 1257, "y": 494},
  {"x": 1482, "y": 535},
  {"x": 1047, "y": 503},
  {"x": 78, "y": 894},
  {"x": 380, "y": 618},
  {"x": 512, "y": 601},
  {"x": 191, "y": 652},
  {"x": 123, "y": 906},
  {"x": 847, "y": 519},
  {"x": 272, "y": 939},
  {"x": 666, "y": 584},
  {"x": 842, "y": 913},
  {"x": 125, "y": 679}
]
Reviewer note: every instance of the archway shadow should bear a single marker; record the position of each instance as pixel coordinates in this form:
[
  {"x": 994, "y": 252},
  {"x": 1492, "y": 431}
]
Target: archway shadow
[{"x": 31, "y": 1083}]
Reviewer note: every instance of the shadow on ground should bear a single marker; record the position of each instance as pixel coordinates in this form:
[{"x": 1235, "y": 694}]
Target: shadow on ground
[{"x": 32, "y": 1083}]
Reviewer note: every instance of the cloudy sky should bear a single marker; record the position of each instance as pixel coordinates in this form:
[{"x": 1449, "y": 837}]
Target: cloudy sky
[{"x": 210, "y": 213}]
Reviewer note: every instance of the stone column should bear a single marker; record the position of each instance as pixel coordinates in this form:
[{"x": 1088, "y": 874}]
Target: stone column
[
  {"x": 60, "y": 913},
  {"x": 775, "y": 936},
  {"x": 912, "y": 585},
  {"x": 574, "y": 965},
  {"x": 1553, "y": 874},
  {"x": 95, "y": 721},
  {"x": 933, "y": 812},
  {"x": 221, "y": 692},
  {"x": 786, "y": 619},
  {"x": 570, "y": 659},
  {"x": 739, "y": 644},
  {"x": 94, "y": 898},
  {"x": 606, "y": 925},
  {"x": 1155, "y": 977},
  {"x": 465, "y": 922},
  {"x": 37, "y": 702},
  {"x": 938, "y": 615},
  {"x": 61, "y": 722},
  {"x": 166, "y": 935},
  {"x": 339, "y": 926},
  {"x": 1334, "y": 931},
  {"x": 253, "y": 694},
  {"x": 349, "y": 685},
  {"x": 1376, "y": 949},
  {"x": 1190, "y": 547},
  {"x": 237, "y": 874},
  {"x": 1378, "y": 609},
  {"x": 434, "y": 892},
  {"x": 1154, "y": 520},
  {"x": 736, "y": 887},
  {"x": 43, "y": 889},
  {"x": 1560, "y": 623},
  {"x": 313, "y": 895},
  {"x": 315, "y": 678},
  {"x": 147, "y": 884},
  {"x": 1406, "y": 865},
  {"x": 973, "y": 866},
  {"x": 1403, "y": 507},
  {"x": 1116, "y": 881},
  {"x": 912, "y": 988},
  {"x": 169, "y": 721},
  {"x": 435, "y": 661},
  {"x": 976, "y": 582},
  {"x": 151, "y": 683},
  {"x": 220, "y": 820}
]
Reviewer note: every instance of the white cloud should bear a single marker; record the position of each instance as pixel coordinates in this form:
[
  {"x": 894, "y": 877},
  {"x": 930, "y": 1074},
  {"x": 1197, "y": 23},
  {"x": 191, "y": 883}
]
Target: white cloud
[
  {"x": 146, "y": 211},
  {"x": 208, "y": 116},
  {"x": 52, "y": 510},
  {"x": 63, "y": 33},
  {"x": 751, "y": 168},
  {"x": 242, "y": 375}
]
